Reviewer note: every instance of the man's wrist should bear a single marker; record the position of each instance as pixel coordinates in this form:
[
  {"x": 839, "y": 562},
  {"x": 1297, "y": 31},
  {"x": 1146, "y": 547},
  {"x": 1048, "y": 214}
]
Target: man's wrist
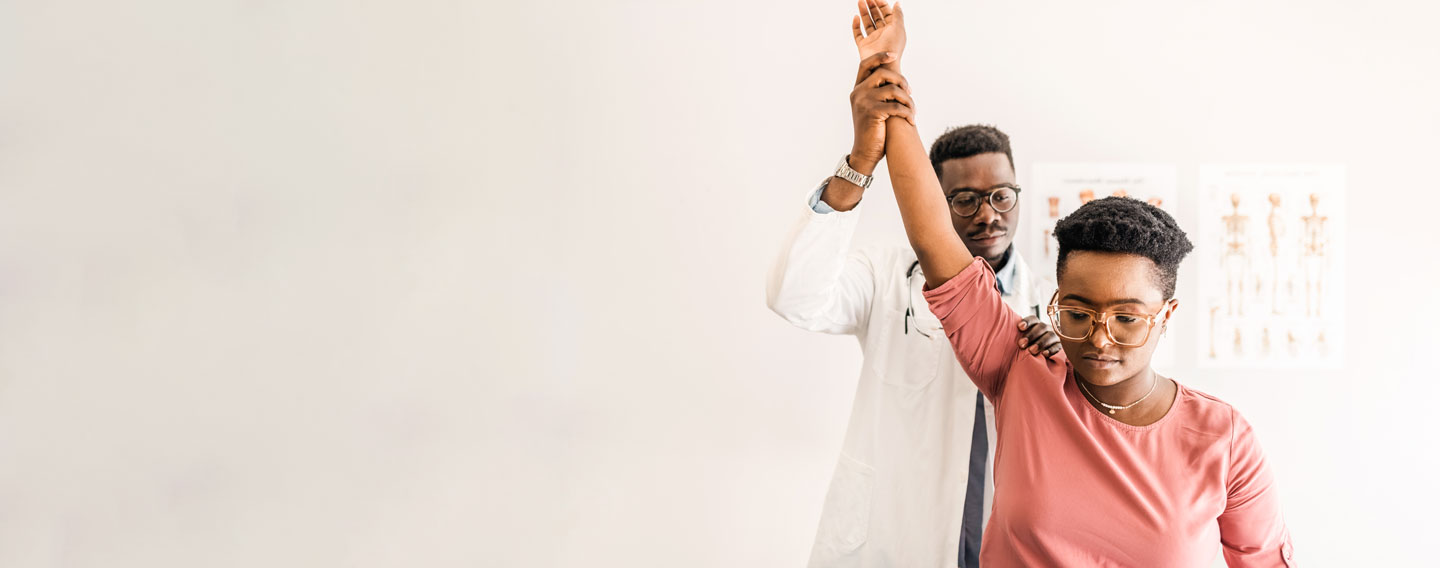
[
  {"x": 841, "y": 192},
  {"x": 859, "y": 163}
]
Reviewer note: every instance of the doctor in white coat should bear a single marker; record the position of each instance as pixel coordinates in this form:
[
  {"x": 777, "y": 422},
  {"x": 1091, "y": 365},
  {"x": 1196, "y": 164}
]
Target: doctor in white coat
[{"x": 913, "y": 484}]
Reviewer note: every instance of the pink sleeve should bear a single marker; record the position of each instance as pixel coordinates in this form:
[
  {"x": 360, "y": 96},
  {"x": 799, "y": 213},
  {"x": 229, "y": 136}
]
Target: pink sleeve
[
  {"x": 1252, "y": 530},
  {"x": 981, "y": 328}
]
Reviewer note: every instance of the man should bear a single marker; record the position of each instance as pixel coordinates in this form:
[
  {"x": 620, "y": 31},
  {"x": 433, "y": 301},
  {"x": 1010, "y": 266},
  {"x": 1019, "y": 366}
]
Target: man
[{"x": 912, "y": 486}]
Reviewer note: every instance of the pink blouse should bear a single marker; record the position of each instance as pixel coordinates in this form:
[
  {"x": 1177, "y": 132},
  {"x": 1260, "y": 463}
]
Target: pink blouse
[{"x": 1075, "y": 487}]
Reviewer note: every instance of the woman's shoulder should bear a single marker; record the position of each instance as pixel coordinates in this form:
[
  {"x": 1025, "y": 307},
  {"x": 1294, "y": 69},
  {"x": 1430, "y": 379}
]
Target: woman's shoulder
[{"x": 1206, "y": 413}]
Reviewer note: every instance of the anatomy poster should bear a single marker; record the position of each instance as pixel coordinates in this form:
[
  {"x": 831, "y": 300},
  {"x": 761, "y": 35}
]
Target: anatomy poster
[
  {"x": 1057, "y": 189},
  {"x": 1271, "y": 258}
]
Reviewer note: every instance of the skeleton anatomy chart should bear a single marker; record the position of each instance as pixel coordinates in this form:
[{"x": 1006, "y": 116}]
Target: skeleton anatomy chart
[
  {"x": 1057, "y": 189},
  {"x": 1271, "y": 266}
]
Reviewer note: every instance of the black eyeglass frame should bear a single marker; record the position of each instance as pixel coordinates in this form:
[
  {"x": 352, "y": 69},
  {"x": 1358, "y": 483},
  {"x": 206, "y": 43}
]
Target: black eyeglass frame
[{"x": 989, "y": 197}]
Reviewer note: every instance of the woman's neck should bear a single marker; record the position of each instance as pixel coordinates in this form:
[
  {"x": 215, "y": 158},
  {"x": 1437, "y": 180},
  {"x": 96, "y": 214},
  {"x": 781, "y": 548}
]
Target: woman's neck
[
  {"x": 1125, "y": 391},
  {"x": 1154, "y": 393}
]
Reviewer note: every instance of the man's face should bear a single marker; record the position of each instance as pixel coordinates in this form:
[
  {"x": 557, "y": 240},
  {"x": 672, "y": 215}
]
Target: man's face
[{"x": 986, "y": 233}]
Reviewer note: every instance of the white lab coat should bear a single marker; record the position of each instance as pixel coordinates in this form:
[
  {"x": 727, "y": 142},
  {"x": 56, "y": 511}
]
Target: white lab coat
[{"x": 898, "y": 491}]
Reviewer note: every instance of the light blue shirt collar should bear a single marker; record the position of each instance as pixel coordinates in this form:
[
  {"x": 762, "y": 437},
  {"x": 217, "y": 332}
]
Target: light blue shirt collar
[{"x": 1005, "y": 275}]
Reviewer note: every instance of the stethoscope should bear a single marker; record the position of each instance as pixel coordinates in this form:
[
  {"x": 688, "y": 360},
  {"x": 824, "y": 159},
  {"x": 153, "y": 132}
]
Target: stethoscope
[{"x": 910, "y": 298}]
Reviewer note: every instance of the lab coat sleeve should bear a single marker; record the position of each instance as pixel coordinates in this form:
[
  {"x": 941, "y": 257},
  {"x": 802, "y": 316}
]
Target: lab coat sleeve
[
  {"x": 1252, "y": 531},
  {"x": 816, "y": 283}
]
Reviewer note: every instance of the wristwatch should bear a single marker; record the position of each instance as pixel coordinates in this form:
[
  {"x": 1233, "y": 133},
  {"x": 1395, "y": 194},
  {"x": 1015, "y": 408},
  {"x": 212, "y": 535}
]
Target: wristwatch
[{"x": 843, "y": 171}]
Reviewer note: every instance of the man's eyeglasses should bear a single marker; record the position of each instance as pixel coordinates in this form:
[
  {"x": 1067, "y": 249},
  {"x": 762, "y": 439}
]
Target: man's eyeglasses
[
  {"x": 1124, "y": 328},
  {"x": 1002, "y": 199}
]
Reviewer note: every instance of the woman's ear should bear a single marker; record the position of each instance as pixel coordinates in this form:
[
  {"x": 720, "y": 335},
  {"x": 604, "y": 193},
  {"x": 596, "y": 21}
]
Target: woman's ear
[{"x": 1169, "y": 313}]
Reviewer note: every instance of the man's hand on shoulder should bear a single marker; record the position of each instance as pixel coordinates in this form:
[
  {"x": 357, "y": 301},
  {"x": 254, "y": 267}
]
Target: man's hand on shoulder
[{"x": 1037, "y": 338}]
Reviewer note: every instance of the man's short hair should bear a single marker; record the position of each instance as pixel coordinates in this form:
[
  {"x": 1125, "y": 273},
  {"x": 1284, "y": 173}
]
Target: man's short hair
[{"x": 966, "y": 141}]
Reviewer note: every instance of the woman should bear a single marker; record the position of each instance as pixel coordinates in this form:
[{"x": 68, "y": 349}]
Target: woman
[{"x": 1099, "y": 460}]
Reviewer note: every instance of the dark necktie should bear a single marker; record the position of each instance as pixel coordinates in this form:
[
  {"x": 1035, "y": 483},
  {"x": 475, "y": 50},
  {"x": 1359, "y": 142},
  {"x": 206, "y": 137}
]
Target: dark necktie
[{"x": 972, "y": 523}]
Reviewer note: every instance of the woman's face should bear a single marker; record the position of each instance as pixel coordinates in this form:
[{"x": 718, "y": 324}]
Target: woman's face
[{"x": 1112, "y": 282}]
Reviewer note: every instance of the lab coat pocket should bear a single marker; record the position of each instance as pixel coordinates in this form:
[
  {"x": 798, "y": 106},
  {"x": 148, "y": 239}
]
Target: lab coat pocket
[
  {"x": 845, "y": 523},
  {"x": 908, "y": 358}
]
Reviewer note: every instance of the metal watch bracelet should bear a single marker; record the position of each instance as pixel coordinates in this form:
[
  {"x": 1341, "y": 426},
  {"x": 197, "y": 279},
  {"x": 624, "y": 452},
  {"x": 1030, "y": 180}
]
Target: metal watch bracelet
[{"x": 843, "y": 171}]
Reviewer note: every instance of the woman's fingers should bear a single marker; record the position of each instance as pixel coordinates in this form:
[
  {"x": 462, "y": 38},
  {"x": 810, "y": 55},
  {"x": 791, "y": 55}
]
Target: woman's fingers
[
  {"x": 857, "y": 29},
  {"x": 887, "y": 11},
  {"x": 866, "y": 20},
  {"x": 877, "y": 12}
]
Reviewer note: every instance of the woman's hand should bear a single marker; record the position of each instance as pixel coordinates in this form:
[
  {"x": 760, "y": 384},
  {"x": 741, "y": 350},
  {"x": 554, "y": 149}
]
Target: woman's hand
[
  {"x": 879, "y": 28},
  {"x": 917, "y": 190},
  {"x": 880, "y": 93}
]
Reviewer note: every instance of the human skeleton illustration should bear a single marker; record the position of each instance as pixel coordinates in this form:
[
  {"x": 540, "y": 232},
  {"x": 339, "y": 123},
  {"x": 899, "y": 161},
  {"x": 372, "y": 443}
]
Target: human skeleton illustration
[
  {"x": 1276, "y": 223},
  {"x": 1312, "y": 257},
  {"x": 1235, "y": 258}
]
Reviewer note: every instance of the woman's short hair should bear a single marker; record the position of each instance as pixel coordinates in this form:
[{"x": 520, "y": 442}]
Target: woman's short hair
[{"x": 1126, "y": 225}]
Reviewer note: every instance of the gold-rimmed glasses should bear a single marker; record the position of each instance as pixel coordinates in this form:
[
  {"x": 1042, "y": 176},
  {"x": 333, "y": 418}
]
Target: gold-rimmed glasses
[{"x": 1074, "y": 323}]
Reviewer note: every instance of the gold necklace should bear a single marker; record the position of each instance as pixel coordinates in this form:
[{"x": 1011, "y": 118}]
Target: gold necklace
[{"x": 1113, "y": 408}]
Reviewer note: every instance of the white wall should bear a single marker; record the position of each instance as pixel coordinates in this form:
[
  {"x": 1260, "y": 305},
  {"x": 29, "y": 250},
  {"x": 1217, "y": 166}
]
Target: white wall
[{"x": 448, "y": 284}]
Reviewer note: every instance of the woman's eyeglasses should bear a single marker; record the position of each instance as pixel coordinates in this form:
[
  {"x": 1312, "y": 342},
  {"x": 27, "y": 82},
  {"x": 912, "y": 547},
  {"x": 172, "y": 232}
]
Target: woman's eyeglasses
[{"x": 1124, "y": 328}]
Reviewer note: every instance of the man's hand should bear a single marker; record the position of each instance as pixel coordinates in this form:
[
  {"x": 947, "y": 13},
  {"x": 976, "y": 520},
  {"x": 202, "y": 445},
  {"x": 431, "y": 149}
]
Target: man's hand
[
  {"x": 879, "y": 28},
  {"x": 1036, "y": 335},
  {"x": 880, "y": 93},
  {"x": 880, "y": 36}
]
